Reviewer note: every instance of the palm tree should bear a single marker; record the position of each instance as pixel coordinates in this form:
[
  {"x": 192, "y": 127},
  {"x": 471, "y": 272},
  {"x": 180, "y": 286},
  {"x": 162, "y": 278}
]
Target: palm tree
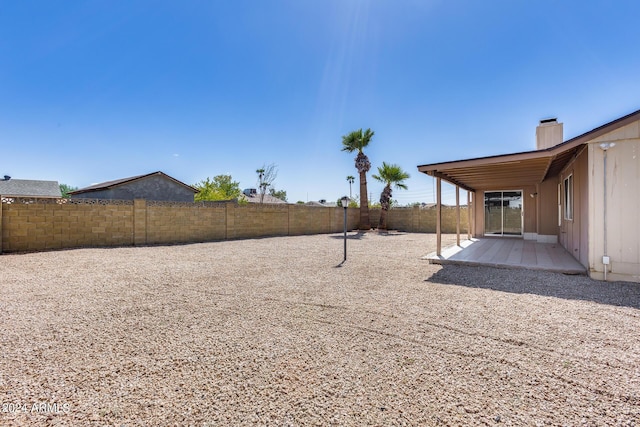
[
  {"x": 390, "y": 175},
  {"x": 350, "y": 180},
  {"x": 356, "y": 141}
]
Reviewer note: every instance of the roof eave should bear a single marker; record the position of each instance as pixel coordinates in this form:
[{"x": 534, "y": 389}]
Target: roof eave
[
  {"x": 551, "y": 154},
  {"x": 481, "y": 161}
]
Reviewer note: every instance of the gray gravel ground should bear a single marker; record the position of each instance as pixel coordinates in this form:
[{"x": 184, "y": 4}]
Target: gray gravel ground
[{"x": 271, "y": 332}]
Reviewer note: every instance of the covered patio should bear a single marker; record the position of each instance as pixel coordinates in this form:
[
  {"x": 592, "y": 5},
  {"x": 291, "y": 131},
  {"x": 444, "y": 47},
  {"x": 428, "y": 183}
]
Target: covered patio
[
  {"x": 513, "y": 206},
  {"x": 556, "y": 208},
  {"x": 509, "y": 253}
]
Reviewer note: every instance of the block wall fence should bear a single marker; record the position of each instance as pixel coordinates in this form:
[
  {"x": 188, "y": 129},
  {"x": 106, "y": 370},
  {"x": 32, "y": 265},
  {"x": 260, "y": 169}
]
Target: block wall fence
[{"x": 46, "y": 224}]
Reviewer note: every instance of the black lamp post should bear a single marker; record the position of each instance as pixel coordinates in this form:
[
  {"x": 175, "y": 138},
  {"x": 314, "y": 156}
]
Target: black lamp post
[{"x": 345, "y": 204}]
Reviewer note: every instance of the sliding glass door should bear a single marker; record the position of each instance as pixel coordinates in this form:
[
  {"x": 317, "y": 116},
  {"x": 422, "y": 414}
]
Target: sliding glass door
[{"x": 503, "y": 213}]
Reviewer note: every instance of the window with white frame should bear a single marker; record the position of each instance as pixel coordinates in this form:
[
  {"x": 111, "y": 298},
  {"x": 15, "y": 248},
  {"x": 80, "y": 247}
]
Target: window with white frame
[
  {"x": 568, "y": 197},
  {"x": 559, "y": 205}
]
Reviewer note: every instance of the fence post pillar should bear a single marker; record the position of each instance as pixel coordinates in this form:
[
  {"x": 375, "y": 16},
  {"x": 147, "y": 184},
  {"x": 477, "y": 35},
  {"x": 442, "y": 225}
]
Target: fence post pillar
[
  {"x": 332, "y": 220},
  {"x": 139, "y": 222},
  {"x": 230, "y": 221}
]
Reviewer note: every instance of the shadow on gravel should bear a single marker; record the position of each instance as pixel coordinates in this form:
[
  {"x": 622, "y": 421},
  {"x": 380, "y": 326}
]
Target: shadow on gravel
[
  {"x": 350, "y": 235},
  {"x": 360, "y": 234},
  {"x": 540, "y": 283},
  {"x": 390, "y": 233}
]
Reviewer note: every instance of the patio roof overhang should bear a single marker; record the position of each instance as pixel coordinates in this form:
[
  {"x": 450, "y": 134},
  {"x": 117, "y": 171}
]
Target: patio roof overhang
[
  {"x": 510, "y": 171},
  {"x": 496, "y": 172},
  {"x": 518, "y": 169}
]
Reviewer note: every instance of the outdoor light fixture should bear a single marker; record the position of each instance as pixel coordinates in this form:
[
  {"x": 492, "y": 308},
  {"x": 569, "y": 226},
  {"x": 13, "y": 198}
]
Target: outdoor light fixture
[{"x": 345, "y": 204}]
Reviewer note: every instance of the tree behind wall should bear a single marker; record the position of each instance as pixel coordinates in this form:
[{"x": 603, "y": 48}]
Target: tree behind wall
[
  {"x": 278, "y": 194},
  {"x": 266, "y": 176},
  {"x": 222, "y": 187},
  {"x": 390, "y": 175},
  {"x": 66, "y": 189}
]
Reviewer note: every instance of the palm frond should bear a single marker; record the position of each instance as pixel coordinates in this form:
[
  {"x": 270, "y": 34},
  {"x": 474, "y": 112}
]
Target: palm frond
[
  {"x": 356, "y": 140},
  {"x": 366, "y": 137},
  {"x": 392, "y": 174},
  {"x": 351, "y": 141}
]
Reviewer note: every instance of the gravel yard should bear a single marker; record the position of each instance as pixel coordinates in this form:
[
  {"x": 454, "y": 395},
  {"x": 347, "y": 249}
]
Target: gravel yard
[{"x": 272, "y": 332}]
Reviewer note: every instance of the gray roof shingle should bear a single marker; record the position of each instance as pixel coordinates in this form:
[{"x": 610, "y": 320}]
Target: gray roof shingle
[
  {"x": 115, "y": 183},
  {"x": 29, "y": 188},
  {"x": 268, "y": 199}
]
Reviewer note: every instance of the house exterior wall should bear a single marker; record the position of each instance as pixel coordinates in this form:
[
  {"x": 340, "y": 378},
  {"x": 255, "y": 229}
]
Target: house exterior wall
[
  {"x": 574, "y": 232},
  {"x": 540, "y": 213},
  {"x": 622, "y": 206},
  {"x": 548, "y": 210},
  {"x": 478, "y": 214},
  {"x": 529, "y": 212},
  {"x": 154, "y": 187},
  {"x": 529, "y": 219}
]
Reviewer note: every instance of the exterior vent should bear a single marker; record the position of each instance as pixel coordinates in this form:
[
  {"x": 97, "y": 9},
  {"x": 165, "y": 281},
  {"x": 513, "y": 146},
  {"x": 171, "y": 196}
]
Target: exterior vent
[{"x": 7, "y": 177}]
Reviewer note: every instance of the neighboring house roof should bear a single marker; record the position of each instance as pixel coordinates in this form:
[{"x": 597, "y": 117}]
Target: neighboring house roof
[
  {"x": 29, "y": 188},
  {"x": 115, "y": 183},
  {"x": 518, "y": 169},
  {"x": 321, "y": 204},
  {"x": 255, "y": 198}
]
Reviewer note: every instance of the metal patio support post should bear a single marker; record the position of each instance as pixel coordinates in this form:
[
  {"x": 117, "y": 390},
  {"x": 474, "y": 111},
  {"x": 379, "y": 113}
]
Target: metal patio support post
[
  {"x": 457, "y": 215},
  {"x": 468, "y": 215},
  {"x": 439, "y": 216}
]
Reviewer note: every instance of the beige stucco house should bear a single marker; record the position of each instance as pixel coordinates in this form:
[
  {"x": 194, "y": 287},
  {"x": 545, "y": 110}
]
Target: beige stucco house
[{"x": 583, "y": 193}]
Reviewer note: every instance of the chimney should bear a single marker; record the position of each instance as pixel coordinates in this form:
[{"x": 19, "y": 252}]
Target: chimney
[{"x": 548, "y": 134}]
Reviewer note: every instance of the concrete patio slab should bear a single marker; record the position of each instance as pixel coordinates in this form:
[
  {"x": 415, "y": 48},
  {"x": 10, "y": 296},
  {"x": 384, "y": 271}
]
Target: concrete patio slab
[{"x": 509, "y": 253}]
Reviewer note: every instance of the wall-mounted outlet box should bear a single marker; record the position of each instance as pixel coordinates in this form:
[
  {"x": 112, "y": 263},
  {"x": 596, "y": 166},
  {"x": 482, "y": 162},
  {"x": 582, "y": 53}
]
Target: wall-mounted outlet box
[{"x": 606, "y": 260}]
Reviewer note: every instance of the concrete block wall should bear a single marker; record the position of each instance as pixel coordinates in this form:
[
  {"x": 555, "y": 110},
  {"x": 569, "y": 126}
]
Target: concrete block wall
[
  {"x": 318, "y": 220},
  {"x": 183, "y": 223},
  {"x": 44, "y": 226},
  {"x": 260, "y": 220},
  {"x": 419, "y": 220},
  {"x": 34, "y": 224}
]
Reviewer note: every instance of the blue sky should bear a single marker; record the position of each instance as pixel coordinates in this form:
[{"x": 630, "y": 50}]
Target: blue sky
[{"x": 92, "y": 91}]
